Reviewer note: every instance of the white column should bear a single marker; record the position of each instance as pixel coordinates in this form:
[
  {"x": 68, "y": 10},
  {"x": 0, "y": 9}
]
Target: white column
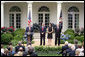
[
  {"x": 59, "y": 7},
  {"x": 2, "y": 14},
  {"x": 30, "y": 8}
]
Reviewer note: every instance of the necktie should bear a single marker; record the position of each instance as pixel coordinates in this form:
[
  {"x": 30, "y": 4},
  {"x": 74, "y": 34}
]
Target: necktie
[
  {"x": 42, "y": 28},
  {"x": 58, "y": 29},
  {"x": 29, "y": 28}
]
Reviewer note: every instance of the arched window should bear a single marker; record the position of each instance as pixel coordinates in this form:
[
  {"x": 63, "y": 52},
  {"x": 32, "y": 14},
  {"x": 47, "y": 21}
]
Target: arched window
[
  {"x": 15, "y": 17},
  {"x": 44, "y": 15},
  {"x": 73, "y": 9},
  {"x": 43, "y": 9},
  {"x": 73, "y": 17},
  {"x": 15, "y": 9}
]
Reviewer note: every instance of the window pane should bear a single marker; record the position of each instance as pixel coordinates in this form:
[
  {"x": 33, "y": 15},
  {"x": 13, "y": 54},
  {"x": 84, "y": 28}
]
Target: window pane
[
  {"x": 11, "y": 20},
  {"x": 76, "y": 20},
  {"x": 46, "y": 20},
  {"x": 18, "y": 20},
  {"x": 70, "y": 20}
]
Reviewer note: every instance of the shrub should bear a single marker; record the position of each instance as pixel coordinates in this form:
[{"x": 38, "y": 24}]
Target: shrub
[
  {"x": 62, "y": 41},
  {"x": 19, "y": 32},
  {"x": 14, "y": 42},
  {"x": 25, "y": 42},
  {"x": 81, "y": 38},
  {"x": 6, "y": 38},
  {"x": 71, "y": 33},
  {"x": 44, "y": 50},
  {"x": 76, "y": 34},
  {"x": 71, "y": 41},
  {"x": 18, "y": 37},
  {"x": 69, "y": 30}
]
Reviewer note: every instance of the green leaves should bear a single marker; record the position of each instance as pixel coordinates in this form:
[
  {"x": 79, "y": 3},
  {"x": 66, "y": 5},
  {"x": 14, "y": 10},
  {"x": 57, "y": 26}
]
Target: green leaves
[
  {"x": 46, "y": 48},
  {"x": 6, "y": 38},
  {"x": 47, "y": 51}
]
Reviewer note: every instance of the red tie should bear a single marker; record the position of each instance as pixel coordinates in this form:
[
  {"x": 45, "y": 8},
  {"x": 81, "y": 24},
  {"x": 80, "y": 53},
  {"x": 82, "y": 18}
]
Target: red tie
[
  {"x": 29, "y": 28},
  {"x": 42, "y": 28}
]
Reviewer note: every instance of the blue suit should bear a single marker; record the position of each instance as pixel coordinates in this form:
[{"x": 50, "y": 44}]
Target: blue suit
[
  {"x": 31, "y": 30},
  {"x": 42, "y": 36}
]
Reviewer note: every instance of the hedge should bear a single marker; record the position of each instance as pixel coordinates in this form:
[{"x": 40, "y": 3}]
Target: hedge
[
  {"x": 14, "y": 42},
  {"x": 6, "y": 38},
  {"x": 69, "y": 30},
  {"x": 61, "y": 41},
  {"x": 80, "y": 38},
  {"x": 19, "y": 32},
  {"x": 46, "y": 48},
  {"x": 48, "y": 51},
  {"x": 18, "y": 37}
]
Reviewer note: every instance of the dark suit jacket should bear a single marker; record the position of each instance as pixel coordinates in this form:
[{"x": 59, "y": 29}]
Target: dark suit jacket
[
  {"x": 68, "y": 50},
  {"x": 65, "y": 47},
  {"x": 61, "y": 25},
  {"x": 33, "y": 54},
  {"x": 27, "y": 30},
  {"x": 17, "y": 48},
  {"x": 72, "y": 53},
  {"x": 44, "y": 30},
  {"x": 57, "y": 32},
  {"x": 60, "y": 28}
]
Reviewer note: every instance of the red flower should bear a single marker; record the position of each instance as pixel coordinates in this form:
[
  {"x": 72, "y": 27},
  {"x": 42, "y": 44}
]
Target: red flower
[
  {"x": 11, "y": 26},
  {"x": 3, "y": 28},
  {"x": 8, "y": 28}
]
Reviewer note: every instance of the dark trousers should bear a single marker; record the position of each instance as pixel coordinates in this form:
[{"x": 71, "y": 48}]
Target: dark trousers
[
  {"x": 30, "y": 40},
  {"x": 57, "y": 38},
  {"x": 31, "y": 37},
  {"x": 42, "y": 37}
]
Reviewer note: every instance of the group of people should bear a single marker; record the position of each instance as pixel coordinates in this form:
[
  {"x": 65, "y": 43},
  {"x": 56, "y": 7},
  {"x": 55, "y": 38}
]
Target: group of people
[
  {"x": 43, "y": 30},
  {"x": 73, "y": 49},
  {"x": 19, "y": 50},
  {"x": 49, "y": 32}
]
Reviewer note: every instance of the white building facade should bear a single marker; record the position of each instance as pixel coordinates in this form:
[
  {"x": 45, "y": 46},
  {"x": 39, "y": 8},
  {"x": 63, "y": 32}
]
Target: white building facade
[{"x": 14, "y": 13}]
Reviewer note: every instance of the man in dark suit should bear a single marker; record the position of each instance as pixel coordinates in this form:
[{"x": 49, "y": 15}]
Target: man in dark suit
[
  {"x": 58, "y": 30},
  {"x": 60, "y": 24},
  {"x": 29, "y": 31},
  {"x": 64, "y": 48},
  {"x": 42, "y": 34},
  {"x": 19, "y": 45},
  {"x": 72, "y": 53},
  {"x": 69, "y": 49}
]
